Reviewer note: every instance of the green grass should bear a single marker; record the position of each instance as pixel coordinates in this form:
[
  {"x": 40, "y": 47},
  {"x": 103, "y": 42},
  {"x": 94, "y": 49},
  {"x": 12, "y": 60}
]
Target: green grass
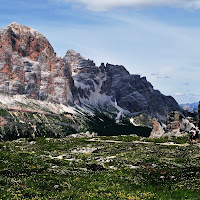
[
  {"x": 34, "y": 170},
  {"x": 178, "y": 140},
  {"x": 105, "y": 125}
]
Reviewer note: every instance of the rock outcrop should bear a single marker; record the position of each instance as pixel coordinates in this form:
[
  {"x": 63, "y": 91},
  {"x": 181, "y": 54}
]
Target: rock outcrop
[
  {"x": 29, "y": 66},
  {"x": 157, "y": 130},
  {"x": 114, "y": 86},
  {"x": 173, "y": 122},
  {"x": 176, "y": 125},
  {"x": 187, "y": 125},
  {"x": 198, "y": 120}
]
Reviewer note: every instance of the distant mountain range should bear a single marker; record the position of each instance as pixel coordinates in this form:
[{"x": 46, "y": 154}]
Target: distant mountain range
[
  {"x": 191, "y": 107},
  {"x": 30, "y": 68}
]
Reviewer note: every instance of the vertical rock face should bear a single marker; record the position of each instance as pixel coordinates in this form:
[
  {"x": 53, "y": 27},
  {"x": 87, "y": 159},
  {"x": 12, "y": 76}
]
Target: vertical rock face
[
  {"x": 173, "y": 122},
  {"x": 114, "y": 85},
  {"x": 136, "y": 94},
  {"x": 187, "y": 124},
  {"x": 86, "y": 76},
  {"x": 157, "y": 130},
  {"x": 198, "y": 123},
  {"x": 175, "y": 126},
  {"x": 29, "y": 66}
]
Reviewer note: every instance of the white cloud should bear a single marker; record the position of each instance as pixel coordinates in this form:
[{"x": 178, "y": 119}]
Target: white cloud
[
  {"x": 179, "y": 94},
  {"x": 104, "y": 5}
]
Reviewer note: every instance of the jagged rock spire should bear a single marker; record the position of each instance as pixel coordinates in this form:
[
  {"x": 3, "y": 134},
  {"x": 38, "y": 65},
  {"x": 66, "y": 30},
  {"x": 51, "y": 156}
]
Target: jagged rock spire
[{"x": 30, "y": 67}]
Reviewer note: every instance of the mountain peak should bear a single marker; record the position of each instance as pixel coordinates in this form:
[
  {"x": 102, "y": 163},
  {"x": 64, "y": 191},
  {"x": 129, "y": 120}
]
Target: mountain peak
[
  {"x": 19, "y": 29},
  {"x": 14, "y": 24},
  {"x": 73, "y": 56},
  {"x": 71, "y": 53},
  {"x": 25, "y": 41},
  {"x": 29, "y": 66}
]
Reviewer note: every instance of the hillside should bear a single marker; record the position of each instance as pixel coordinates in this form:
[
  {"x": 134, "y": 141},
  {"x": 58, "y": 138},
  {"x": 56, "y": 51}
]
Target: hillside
[{"x": 101, "y": 168}]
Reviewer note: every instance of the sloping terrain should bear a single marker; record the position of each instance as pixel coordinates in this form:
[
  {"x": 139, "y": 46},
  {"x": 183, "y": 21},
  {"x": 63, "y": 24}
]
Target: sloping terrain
[
  {"x": 100, "y": 168},
  {"x": 24, "y": 117}
]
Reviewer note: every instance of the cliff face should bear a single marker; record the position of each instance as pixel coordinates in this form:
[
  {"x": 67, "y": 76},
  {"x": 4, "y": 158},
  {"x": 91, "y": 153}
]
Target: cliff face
[
  {"x": 29, "y": 66},
  {"x": 113, "y": 85},
  {"x": 136, "y": 94},
  {"x": 175, "y": 126}
]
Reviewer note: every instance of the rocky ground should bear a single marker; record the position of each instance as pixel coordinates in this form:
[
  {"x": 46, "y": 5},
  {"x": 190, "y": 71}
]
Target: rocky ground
[{"x": 122, "y": 167}]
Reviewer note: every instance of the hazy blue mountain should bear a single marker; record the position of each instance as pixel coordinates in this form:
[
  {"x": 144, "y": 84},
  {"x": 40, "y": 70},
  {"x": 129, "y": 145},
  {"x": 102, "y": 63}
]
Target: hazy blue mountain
[{"x": 191, "y": 107}]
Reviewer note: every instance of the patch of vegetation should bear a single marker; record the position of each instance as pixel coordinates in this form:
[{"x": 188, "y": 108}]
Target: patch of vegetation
[
  {"x": 4, "y": 112},
  {"x": 121, "y": 167},
  {"x": 178, "y": 140},
  {"x": 25, "y": 124},
  {"x": 104, "y": 125}
]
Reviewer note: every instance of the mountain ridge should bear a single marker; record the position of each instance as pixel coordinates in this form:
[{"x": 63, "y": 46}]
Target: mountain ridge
[
  {"x": 190, "y": 107},
  {"x": 29, "y": 66}
]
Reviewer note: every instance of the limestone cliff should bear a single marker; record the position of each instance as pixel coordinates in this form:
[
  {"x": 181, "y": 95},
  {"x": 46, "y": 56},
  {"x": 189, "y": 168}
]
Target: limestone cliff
[
  {"x": 114, "y": 86},
  {"x": 29, "y": 66}
]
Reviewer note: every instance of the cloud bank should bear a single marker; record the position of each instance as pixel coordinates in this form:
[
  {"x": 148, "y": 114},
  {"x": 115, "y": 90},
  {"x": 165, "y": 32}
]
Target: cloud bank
[{"x": 104, "y": 5}]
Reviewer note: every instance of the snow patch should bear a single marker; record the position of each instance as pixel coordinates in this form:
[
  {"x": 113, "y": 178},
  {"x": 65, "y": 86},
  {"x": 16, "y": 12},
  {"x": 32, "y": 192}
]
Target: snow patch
[{"x": 20, "y": 101}]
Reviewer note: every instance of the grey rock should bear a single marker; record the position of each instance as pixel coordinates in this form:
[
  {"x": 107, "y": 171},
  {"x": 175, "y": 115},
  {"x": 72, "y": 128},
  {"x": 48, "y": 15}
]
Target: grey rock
[
  {"x": 114, "y": 86},
  {"x": 29, "y": 66}
]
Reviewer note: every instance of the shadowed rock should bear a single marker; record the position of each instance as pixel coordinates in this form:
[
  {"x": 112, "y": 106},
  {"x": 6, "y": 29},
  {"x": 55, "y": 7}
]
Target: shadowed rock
[{"x": 29, "y": 66}]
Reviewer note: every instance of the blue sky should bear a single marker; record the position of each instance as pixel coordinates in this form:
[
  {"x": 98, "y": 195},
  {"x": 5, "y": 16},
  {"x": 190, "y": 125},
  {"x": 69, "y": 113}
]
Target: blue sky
[{"x": 159, "y": 39}]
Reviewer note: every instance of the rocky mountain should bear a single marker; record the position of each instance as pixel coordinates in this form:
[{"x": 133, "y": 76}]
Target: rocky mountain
[
  {"x": 190, "y": 107},
  {"x": 176, "y": 125},
  {"x": 113, "y": 86},
  {"x": 29, "y": 67}
]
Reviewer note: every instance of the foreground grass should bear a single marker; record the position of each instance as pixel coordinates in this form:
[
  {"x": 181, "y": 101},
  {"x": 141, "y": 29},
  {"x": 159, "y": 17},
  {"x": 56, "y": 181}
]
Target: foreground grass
[{"x": 105, "y": 169}]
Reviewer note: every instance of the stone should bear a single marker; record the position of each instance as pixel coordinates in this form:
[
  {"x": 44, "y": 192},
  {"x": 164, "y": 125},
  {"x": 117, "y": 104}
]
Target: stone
[
  {"x": 176, "y": 125},
  {"x": 95, "y": 167},
  {"x": 173, "y": 122},
  {"x": 157, "y": 130}
]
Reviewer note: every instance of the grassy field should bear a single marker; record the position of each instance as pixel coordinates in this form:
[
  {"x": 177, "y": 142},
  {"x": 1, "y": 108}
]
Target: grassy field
[{"x": 122, "y": 167}]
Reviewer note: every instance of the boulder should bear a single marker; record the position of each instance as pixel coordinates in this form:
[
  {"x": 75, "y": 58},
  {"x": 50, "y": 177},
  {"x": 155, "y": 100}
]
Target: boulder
[
  {"x": 157, "y": 130},
  {"x": 173, "y": 122}
]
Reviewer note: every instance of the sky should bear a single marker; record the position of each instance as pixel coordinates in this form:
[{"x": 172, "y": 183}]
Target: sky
[{"x": 159, "y": 39}]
